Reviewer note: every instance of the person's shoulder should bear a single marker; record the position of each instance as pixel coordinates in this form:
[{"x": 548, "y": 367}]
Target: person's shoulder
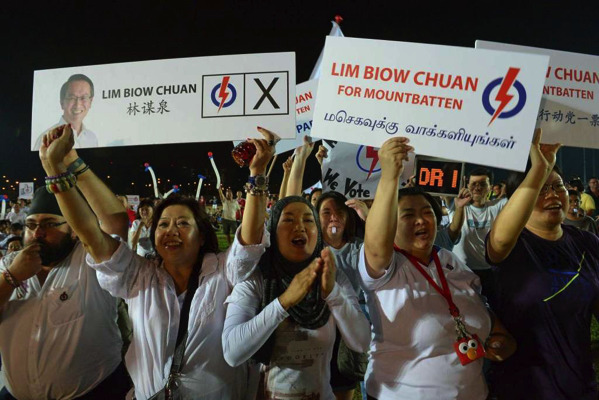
[{"x": 581, "y": 236}]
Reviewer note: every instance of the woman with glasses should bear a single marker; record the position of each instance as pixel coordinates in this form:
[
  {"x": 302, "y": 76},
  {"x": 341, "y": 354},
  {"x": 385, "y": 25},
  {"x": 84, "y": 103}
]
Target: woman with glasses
[{"x": 547, "y": 286}]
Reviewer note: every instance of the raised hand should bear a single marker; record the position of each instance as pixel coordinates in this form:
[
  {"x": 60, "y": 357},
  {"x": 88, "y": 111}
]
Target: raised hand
[
  {"x": 392, "y": 155},
  {"x": 359, "y": 206},
  {"x": 287, "y": 165},
  {"x": 301, "y": 284},
  {"x": 543, "y": 155},
  {"x": 329, "y": 272},
  {"x": 303, "y": 152},
  {"x": 321, "y": 154},
  {"x": 265, "y": 149},
  {"x": 56, "y": 144},
  {"x": 464, "y": 196}
]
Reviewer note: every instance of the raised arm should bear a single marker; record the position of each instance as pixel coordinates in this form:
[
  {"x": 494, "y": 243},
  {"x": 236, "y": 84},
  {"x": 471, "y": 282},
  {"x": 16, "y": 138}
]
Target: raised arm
[
  {"x": 252, "y": 227},
  {"x": 286, "y": 171},
  {"x": 74, "y": 208},
  {"x": 514, "y": 216},
  {"x": 382, "y": 218},
  {"x": 296, "y": 177},
  {"x": 459, "y": 215},
  {"x": 107, "y": 207}
]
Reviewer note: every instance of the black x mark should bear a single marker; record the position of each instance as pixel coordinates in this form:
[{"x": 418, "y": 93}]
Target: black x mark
[{"x": 266, "y": 93}]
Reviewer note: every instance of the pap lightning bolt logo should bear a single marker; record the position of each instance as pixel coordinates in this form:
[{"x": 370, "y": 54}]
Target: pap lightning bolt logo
[
  {"x": 374, "y": 154},
  {"x": 503, "y": 97},
  {"x": 222, "y": 95}
]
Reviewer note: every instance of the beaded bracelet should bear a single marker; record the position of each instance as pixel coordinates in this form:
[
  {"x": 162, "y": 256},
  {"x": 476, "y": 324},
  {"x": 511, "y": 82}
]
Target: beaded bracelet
[
  {"x": 21, "y": 287},
  {"x": 60, "y": 183}
]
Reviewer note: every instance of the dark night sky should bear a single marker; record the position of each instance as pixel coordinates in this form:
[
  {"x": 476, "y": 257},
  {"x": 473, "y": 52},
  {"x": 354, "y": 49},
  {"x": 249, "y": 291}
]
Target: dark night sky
[{"x": 79, "y": 33}]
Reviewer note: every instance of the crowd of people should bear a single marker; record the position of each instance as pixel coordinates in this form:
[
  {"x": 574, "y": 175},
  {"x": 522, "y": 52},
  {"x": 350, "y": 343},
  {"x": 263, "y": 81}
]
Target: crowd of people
[{"x": 489, "y": 294}]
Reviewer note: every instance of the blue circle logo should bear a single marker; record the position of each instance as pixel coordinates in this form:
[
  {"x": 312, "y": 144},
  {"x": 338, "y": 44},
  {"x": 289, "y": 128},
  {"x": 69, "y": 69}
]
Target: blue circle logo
[
  {"x": 221, "y": 98},
  {"x": 370, "y": 156},
  {"x": 503, "y": 97}
]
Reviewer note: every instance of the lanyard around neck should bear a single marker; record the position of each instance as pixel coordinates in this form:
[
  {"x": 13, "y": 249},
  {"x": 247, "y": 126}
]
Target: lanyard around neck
[{"x": 444, "y": 291}]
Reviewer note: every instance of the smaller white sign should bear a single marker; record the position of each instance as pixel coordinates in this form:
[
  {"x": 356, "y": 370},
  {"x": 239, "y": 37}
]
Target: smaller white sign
[
  {"x": 26, "y": 190},
  {"x": 354, "y": 170},
  {"x": 133, "y": 201},
  {"x": 569, "y": 112}
]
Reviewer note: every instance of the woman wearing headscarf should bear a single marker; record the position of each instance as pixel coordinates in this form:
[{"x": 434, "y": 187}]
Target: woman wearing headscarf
[
  {"x": 546, "y": 286},
  {"x": 430, "y": 325},
  {"x": 186, "y": 286},
  {"x": 286, "y": 314}
]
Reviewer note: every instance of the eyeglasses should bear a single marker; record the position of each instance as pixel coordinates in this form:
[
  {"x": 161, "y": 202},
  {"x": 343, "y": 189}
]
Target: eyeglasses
[
  {"x": 75, "y": 99},
  {"x": 482, "y": 185},
  {"x": 557, "y": 187},
  {"x": 44, "y": 225}
]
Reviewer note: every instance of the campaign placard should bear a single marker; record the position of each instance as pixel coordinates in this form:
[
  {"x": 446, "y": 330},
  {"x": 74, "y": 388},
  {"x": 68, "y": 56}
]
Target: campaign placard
[
  {"x": 133, "y": 201},
  {"x": 569, "y": 111},
  {"x": 199, "y": 99},
  {"x": 439, "y": 177},
  {"x": 355, "y": 171},
  {"x": 26, "y": 190},
  {"x": 451, "y": 102},
  {"x": 305, "y": 98}
]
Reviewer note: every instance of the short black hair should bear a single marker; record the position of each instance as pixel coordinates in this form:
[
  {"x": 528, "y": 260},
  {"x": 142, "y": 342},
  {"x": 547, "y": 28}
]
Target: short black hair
[
  {"x": 577, "y": 183},
  {"x": 13, "y": 239},
  {"x": 199, "y": 215},
  {"x": 480, "y": 171},
  {"x": 574, "y": 192},
  {"x": 144, "y": 203},
  {"x": 75, "y": 78},
  {"x": 514, "y": 180},
  {"x": 418, "y": 191},
  {"x": 349, "y": 233},
  {"x": 16, "y": 227}
]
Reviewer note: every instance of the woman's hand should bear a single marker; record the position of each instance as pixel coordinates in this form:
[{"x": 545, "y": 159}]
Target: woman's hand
[
  {"x": 392, "y": 155},
  {"x": 303, "y": 152},
  {"x": 329, "y": 272},
  {"x": 265, "y": 149},
  {"x": 321, "y": 154},
  {"x": 301, "y": 284},
  {"x": 360, "y": 207},
  {"x": 287, "y": 165}
]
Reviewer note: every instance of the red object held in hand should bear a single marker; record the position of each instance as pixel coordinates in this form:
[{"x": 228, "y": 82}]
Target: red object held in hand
[{"x": 244, "y": 153}]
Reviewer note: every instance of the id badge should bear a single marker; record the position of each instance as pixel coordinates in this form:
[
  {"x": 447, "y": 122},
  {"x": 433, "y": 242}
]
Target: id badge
[{"x": 469, "y": 349}]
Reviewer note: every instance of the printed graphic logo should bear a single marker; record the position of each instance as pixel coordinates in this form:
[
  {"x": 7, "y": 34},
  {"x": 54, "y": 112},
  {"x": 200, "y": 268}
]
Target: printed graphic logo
[
  {"x": 245, "y": 94},
  {"x": 503, "y": 97},
  {"x": 224, "y": 89},
  {"x": 370, "y": 154}
]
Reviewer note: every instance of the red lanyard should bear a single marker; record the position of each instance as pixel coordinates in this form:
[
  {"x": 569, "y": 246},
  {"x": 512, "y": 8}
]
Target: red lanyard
[{"x": 453, "y": 309}]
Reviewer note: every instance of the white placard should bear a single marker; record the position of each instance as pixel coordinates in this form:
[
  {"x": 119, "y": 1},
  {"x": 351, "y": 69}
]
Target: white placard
[
  {"x": 354, "y": 170},
  {"x": 26, "y": 190},
  {"x": 569, "y": 111},
  {"x": 451, "y": 102},
  {"x": 199, "y": 99},
  {"x": 305, "y": 99}
]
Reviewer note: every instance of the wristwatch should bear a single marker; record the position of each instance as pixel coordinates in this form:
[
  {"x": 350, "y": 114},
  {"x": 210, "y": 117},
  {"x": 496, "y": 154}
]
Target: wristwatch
[{"x": 257, "y": 185}]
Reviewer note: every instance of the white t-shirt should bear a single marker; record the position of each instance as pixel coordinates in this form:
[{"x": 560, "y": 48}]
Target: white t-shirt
[
  {"x": 61, "y": 340},
  {"x": 19, "y": 217},
  {"x": 230, "y": 207},
  {"x": 83, "y": 140},
  {"x": 411, "y": 353},
  {"x": 477, "y": 224},
  {"x": 300, "y": 363},
  {"x": 144, "y": 244}
]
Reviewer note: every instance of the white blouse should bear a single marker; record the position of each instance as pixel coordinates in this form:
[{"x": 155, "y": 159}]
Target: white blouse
[
  {"x": 300, "y": 363},
  {"x": 154, "y": 311}
]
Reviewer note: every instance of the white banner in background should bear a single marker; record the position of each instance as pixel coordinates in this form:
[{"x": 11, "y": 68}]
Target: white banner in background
[
  {"x": 200, "y": 99},
  {"x": 456, "y": 103},
  {"x": 354, "y": 170},
  {"x": 26, "y": 190},
  {"x": 569, "y": 111}
]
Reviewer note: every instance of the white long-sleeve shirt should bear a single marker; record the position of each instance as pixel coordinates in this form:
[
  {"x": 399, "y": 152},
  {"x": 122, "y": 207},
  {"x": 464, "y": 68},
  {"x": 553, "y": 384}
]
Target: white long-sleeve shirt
[
  {"x": 154, "y": 309},
  {"x": 300, "y": 363}
]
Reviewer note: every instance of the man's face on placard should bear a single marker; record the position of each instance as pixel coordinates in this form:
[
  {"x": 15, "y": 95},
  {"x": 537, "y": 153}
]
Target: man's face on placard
[{"x": 77, "y": 102}]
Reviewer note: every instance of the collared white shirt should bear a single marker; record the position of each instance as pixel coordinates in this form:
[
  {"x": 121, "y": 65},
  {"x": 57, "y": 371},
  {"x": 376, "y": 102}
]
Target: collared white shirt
[
  {"x": 154, "y": 311},
  {"x": 83, "y": 140},
  {"x": 61, "y": 340},
  {"x": 14, "y": 217}
]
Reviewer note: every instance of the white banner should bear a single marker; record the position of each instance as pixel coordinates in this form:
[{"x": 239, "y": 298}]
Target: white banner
[
  {"x": 354, "y": 170},
  {"x": 133, "y": 201},
  {"x": 26, "y": 190},
  {"x": 452, "y": 102},
  {"x": 199, "y": 99},
  {"x": 569, "y": 111}
]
